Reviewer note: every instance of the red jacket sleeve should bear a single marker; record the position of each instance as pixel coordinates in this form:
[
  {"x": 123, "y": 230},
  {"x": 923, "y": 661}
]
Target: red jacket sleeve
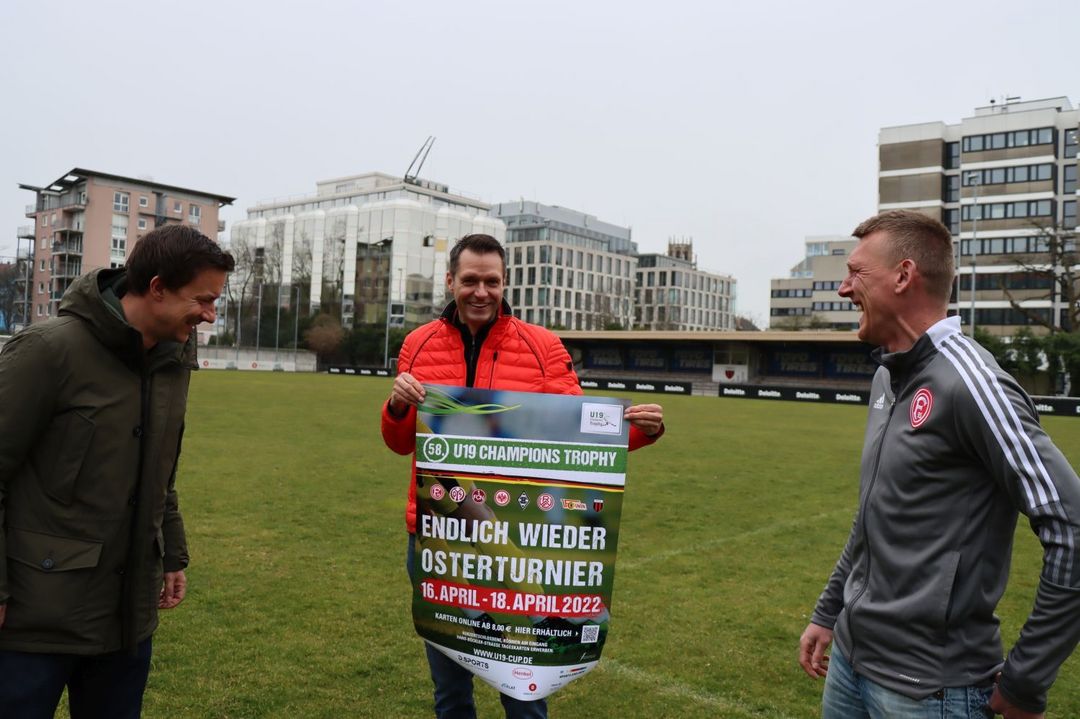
[{"x": 399, "y": 433}]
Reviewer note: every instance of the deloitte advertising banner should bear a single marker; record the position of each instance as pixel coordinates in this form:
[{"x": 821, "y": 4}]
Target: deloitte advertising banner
[{"x": 518, "y": 504}]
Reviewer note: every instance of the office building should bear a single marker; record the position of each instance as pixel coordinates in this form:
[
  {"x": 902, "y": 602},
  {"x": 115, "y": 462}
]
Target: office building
[
  {"x": 365, "y": 245},
  {"x": 567, "y": 269},
  {"x": 807, "y": 298},
  {"x": 86, "y": 220},
  {"x": 671, "y": 293},
  {"x": 1001, "y": 180}
]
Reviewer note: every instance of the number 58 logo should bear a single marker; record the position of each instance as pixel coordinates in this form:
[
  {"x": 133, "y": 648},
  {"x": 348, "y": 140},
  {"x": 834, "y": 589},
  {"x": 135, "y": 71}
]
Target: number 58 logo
[{"x": 436, "y": 449}]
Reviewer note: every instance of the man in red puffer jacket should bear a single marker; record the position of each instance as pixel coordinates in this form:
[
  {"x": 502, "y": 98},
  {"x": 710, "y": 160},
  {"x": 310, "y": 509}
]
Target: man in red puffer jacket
[{"x": 477, "y": 342}]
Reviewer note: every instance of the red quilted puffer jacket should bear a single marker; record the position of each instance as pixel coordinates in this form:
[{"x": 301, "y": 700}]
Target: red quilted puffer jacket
[{"x": 516, "y": 356}]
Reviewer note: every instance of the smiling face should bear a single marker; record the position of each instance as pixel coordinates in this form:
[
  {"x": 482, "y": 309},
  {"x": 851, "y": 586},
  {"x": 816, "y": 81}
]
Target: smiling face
[
  {"x": 477, "y": 288},
  {"x": 177, "y": 312},
  {"x": 870, "y": 285}
]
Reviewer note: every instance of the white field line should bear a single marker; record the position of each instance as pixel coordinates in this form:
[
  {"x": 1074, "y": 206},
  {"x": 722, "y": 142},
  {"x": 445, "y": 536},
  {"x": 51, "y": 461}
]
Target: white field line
[
  {"x": 624, "y": 565},
  {"x": 660, "y": 684}
]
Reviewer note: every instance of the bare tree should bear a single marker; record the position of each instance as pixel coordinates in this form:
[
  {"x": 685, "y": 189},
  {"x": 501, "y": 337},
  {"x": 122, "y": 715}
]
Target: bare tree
[{"x": 1058, "y": 263}]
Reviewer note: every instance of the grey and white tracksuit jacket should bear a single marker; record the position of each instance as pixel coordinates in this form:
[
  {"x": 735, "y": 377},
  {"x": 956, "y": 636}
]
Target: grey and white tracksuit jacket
[{"x": 953, "y": 451}]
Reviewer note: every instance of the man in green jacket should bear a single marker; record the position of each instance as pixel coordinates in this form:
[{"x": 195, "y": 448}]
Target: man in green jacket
[{"x": 91, "y": 420}]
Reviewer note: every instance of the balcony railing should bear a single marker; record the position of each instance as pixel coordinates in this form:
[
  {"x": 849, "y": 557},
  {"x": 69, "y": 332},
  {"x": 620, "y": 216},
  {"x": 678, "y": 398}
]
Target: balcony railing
[
  {"x": 67, "y": 269},
  {"x": 71, "y": 247},
  {"x": 26, "y": 231}
]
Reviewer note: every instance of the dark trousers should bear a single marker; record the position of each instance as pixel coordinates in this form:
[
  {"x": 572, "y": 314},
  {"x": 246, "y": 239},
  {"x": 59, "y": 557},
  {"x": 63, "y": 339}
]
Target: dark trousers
[
  {"x": 454, "y": 683},
  {"x": 103, "y": 686}
]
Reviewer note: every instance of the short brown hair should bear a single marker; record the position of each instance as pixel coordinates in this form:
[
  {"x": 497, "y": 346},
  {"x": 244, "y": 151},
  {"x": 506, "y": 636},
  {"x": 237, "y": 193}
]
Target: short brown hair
[
  {"x": 920, "y": 238},
  {"x": 480, "y": 244},
  {"x": 175, "y": 253}
]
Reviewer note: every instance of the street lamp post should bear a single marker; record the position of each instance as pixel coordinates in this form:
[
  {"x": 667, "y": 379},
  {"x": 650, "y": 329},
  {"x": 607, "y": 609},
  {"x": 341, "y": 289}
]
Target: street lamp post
[
  {"x": 976, "y": 179},
  {"x": 258, "y": 321},
  {"x": 385, "y": 243},
  {"x": 277, "y": 323},
  {"x": 296, "y": 324}
]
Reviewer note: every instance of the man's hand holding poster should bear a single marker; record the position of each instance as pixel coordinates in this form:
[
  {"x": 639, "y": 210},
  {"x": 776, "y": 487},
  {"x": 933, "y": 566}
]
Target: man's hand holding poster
[{"x": 518, "y": 503}]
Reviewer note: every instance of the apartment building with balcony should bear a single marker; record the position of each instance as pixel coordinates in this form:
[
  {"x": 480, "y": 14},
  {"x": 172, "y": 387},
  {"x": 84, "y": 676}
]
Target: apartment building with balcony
[
  {"x": 88, "y": 219},
  {"x": 1001, "y": 180}
]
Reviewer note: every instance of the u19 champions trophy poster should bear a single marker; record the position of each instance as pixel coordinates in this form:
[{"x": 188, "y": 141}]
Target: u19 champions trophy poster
[{"x": 518, "y": 503}]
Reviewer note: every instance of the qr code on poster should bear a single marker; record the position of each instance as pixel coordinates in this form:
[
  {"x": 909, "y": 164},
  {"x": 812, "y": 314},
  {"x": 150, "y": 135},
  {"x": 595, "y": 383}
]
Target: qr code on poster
[{"x": 590, "y": 633}]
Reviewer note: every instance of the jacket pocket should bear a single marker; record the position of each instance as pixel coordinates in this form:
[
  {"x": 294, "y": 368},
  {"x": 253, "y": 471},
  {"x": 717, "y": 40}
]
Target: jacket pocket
[
  {"x": 60, "y": 454},
  {"x": 950, "y": 563},
  {"x": 48, "y": 577}
]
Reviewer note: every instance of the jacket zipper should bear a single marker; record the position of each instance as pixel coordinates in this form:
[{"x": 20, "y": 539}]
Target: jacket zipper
[
  {"x": 491, "y": 375},
  {"x": 128, "y": 603},
  {"x": 865, "y": 533}
]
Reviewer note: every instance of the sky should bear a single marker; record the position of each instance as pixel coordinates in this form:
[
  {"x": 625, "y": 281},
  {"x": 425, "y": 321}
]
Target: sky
[{"x": 745, "y": 127}]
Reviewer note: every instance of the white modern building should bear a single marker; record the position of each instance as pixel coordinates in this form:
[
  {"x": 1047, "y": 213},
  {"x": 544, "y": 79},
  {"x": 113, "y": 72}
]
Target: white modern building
[{"x": 372, "y": 243}]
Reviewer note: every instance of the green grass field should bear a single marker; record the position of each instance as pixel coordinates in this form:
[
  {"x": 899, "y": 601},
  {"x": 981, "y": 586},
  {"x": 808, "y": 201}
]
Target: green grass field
[{"x": 298, "y": 602}]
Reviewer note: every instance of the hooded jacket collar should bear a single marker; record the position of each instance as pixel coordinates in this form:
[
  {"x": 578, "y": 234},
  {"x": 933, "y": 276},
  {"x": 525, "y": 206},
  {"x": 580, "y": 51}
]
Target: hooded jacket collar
[{"x": 94, "y": 299}]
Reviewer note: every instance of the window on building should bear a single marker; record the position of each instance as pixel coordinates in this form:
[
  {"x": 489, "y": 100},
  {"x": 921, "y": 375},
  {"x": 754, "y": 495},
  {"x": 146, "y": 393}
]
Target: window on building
[
  {"x": 41, "y": 288},
  {"x": 1068, "y": 180},
  {"x": 517, "y": 255},
  {"x": 41, "y": 267},
  {"x": 119, "y": 234},
  {"x": 530, "y": 255},
  {"x": 952, "y": 155},
  {"x": 1070, "y": 143},
  {"x": 121, "y": 202},
  {"x": 952, "y": 188},
  {"x": 1001, "y": 140},
  {"x": 142, "y": 223},
  {"x": 194, "y": 214},
  {"x": 1068, "y": 217},
  {"x": 178, "y": 208},
  {"x": 143, "y": 201}
]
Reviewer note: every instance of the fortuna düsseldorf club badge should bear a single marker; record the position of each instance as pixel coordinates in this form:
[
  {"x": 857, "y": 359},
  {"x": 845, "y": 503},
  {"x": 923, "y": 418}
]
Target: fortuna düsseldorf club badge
[{"x": 921, "y": 404}]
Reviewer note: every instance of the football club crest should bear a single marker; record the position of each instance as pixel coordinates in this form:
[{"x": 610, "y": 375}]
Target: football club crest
[
  {"x": 479, "y": 496},
  {"x": 523, "y": 500},
  {"x": 437, "y": 491},
  {"x": 545, "y": 501},
  {"x": 921, "y": 404},
  {"x": 457, "y": 494},
  {"x": 598, "y": 504},
  {"x": 502, "y": 498}
]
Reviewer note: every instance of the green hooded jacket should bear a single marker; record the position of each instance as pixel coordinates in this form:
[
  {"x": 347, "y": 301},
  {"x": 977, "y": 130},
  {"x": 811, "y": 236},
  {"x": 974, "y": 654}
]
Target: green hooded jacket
[{"x": 90, "y": 431}]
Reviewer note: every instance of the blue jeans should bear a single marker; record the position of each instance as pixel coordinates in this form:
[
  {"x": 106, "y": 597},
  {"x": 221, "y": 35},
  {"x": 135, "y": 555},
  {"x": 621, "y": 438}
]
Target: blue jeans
[
  {"x": 454, "y": 683},
  {"x": 851, "y": 696},
  {"x": 103, "y": 686}
]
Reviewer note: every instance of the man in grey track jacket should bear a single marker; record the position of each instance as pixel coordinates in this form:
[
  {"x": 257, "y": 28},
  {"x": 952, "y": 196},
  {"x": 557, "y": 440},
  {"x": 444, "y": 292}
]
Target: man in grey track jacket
[{"x": 953, "y": 451}]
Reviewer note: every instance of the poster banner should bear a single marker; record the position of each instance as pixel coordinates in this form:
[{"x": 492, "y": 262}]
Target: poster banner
[{"x": 518, "y": 504}]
